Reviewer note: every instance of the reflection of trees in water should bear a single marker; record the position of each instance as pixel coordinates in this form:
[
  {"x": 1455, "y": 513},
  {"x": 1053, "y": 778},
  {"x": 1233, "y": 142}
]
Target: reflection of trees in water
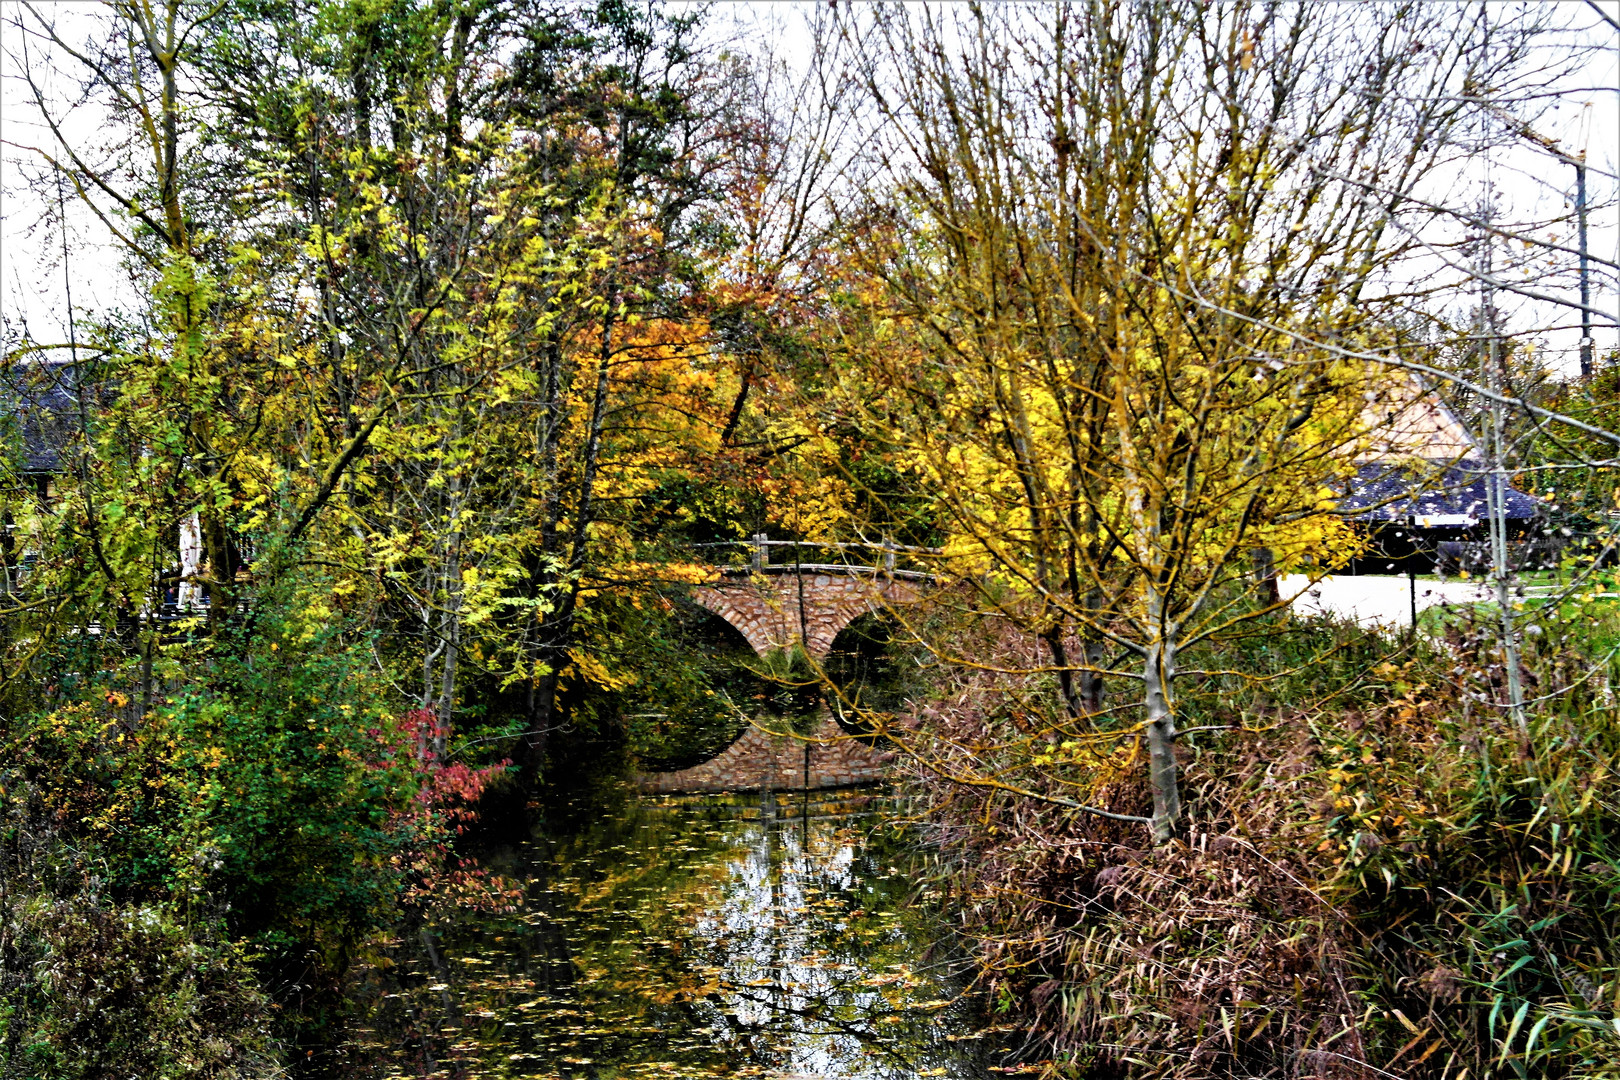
[
  {"x": 695, "y": 703},
  {"x": 701, "y": 938},
  {"x": 797, "y": 977},
  {"x": 870, "y": 665},
  {"x": 689, "y": 695}
]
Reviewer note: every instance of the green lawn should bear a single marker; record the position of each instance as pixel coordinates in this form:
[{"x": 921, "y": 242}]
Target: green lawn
[{"x": 1592, "y": 624}]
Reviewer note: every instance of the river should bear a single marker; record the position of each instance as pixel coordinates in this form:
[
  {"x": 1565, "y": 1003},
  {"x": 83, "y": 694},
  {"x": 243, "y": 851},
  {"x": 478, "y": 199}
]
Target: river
[{"x": 706, "y": 936}]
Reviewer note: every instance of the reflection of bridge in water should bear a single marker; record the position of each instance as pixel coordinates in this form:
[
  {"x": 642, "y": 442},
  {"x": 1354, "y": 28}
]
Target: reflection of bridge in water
[{"x": 780, "y": 605}]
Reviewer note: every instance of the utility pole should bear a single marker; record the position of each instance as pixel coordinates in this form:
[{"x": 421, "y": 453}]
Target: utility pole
[
  {"x": 1586, "y": 280},
  {"x": 1579, "y": 162},
  {"x": 1496, "y": 479}
]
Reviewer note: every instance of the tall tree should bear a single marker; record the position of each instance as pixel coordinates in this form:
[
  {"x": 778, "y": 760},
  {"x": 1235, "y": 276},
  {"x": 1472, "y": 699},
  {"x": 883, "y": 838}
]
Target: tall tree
[{"x": 1125, "y": 242}]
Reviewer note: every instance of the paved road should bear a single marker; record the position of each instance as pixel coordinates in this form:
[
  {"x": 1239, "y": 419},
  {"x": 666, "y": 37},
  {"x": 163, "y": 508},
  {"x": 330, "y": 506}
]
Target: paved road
[{"x": 1378, "y": 601}]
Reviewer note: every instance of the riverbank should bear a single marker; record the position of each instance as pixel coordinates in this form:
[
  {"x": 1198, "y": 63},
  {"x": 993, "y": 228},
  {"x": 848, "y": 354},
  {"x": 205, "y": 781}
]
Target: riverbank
[{"x": 1382, "y": 873}]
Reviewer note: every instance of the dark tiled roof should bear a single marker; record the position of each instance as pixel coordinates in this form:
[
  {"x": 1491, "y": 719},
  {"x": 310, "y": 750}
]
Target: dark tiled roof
[
  {"x": 39, "y": 406},
  {"x": 1383, "y": 491}
]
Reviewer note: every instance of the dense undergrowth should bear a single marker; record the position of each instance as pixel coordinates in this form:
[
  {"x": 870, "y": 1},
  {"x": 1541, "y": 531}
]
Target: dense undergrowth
[
  {"x": 184, "y": 880},
  {"x": 1381, "y": 875}
]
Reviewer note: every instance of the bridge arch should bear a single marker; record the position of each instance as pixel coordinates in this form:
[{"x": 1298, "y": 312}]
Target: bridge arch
[
  {"x": 766, "y": 607},
  {"x": 870, "y": 662}
]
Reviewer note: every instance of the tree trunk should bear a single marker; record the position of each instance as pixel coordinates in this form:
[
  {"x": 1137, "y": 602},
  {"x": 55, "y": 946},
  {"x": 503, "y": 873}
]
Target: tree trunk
[
  {"x": 451, "y": 634},
  {"x": 1093, "y": 650},
  {"x": 538, "y": 709},
  {"x": 1093, "y": 688},
  {"x": 191, "y": 560},
  {"x": 1265, "y": 577},
  {"x": 1072, "y": 699},
  {"x": 447, "y": 688},
  {"x": 543, "y": 580},
  {"x": 220, "y": 581},
  {"x": 1158, "y": 679},
  {"x": 559, "y": 637}
]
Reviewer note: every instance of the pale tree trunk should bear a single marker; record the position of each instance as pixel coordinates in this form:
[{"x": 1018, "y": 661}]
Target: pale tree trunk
[
  {"x": 1158, "y": 679},
  {"x": 451, "y": 632},
  {"x": 1496, "y": 492},
  {"x": 1159, "y": 631}
]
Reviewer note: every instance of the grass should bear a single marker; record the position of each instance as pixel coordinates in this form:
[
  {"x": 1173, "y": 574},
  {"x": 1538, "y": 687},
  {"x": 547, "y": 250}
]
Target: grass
[{"x": 1590, "y": 625}]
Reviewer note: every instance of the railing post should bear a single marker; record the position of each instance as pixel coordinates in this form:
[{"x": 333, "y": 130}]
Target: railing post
[
  {"x": 888, "y": 555},
  {"x": 761, "y": 556}
]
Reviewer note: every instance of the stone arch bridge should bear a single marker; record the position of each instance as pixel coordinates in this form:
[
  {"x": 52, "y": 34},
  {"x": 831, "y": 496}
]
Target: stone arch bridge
[
  {"x": 777, "y": 606},
  {"x": 783, "y": 606}
]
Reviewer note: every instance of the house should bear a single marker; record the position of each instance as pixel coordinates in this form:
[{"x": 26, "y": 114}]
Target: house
[
  {"x": 43, "y": 406},
  {"x": 39, "y": 413},
  {"x": 1420, "y": 487}
]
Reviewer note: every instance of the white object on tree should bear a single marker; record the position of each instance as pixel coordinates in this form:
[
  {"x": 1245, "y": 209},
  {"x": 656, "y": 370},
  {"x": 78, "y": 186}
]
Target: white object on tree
[{"x": 190, "y": 562}]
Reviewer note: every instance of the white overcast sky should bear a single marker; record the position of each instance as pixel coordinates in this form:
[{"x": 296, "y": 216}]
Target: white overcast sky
[{"x": 34, "y": 284}]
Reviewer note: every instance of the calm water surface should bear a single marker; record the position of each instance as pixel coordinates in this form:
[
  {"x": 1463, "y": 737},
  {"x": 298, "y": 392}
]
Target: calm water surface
[{"x": 706, "y": 937}]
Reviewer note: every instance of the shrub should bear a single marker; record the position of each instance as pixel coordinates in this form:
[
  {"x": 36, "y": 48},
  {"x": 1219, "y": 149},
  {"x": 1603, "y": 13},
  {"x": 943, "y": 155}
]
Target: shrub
[
  {"x": 92, "y": 985},
  {"x": 270, "y": 811}
]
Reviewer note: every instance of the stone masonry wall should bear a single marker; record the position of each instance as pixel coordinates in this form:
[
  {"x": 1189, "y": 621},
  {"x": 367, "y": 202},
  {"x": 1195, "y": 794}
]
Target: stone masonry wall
[
  {"x": 759, "y": 760},
  {"x": 766, "y": 609}
]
